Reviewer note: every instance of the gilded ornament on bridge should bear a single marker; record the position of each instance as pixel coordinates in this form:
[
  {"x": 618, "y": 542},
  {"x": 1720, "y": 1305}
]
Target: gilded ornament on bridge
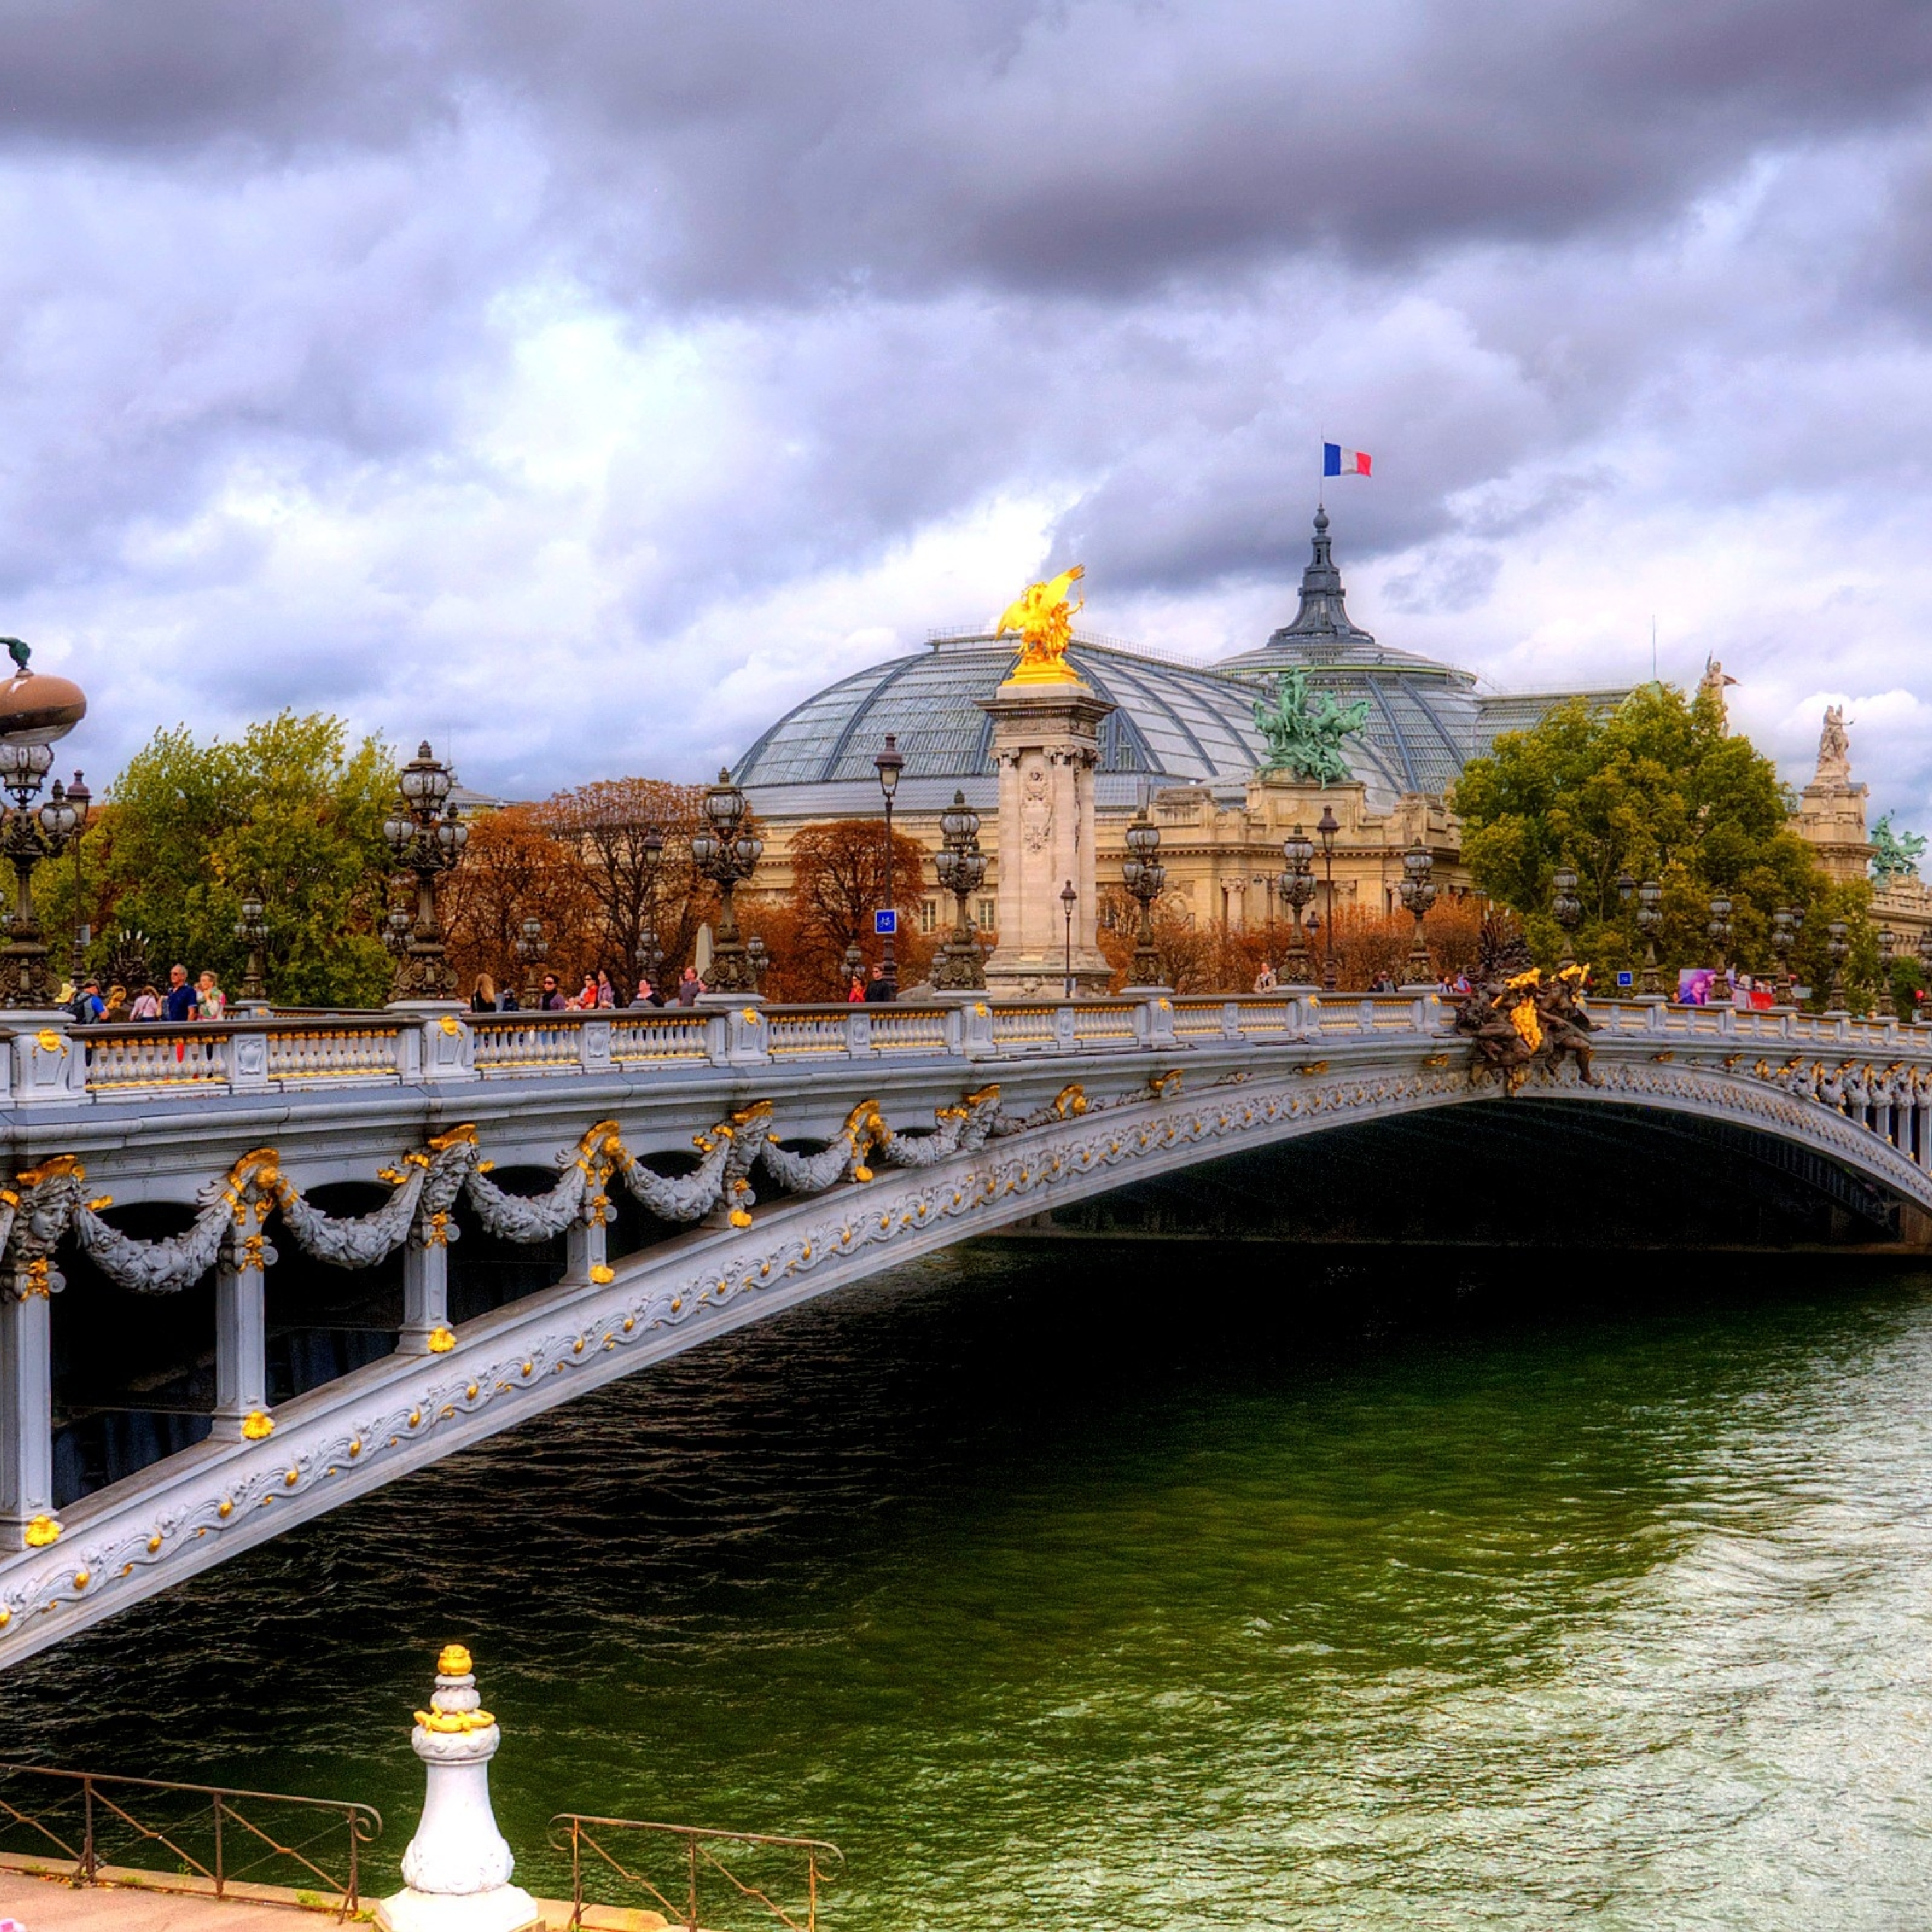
[{"x": 1044, "y": 619}]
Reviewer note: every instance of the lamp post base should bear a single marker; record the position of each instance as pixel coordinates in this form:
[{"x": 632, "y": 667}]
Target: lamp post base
[{"x": 509, "y": 1908}]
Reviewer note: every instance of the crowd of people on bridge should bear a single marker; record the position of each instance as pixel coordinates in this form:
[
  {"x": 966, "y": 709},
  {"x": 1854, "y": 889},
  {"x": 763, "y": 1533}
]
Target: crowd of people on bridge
[
  {"x": 598, "y": 991},
  {"x": 201, "y": 998}
]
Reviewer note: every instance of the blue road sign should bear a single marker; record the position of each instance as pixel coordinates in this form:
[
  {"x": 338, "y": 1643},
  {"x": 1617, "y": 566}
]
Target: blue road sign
[
  {"x": 1626, "y": 979},
  {"x": 886, "y": 921}
]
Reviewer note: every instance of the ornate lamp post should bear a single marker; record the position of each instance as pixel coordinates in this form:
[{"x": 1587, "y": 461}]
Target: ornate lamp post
[
  {"x": 1296, "y": 887},
  {"x": 649, "y": 955},
  {"x": 1783, "y": 937},
  {"x": 1568, "y": 910},
  {"x": 889, "y": 764},
  {"x": 962, "y": 868},
  {"x": 82, "y": 800},
  {"x": 1144, "y": 876},
  {"x": 1837, "y": 950},
  {"x": 1888, "y": 942},
  {"x": 532, "y": 949},
  {"x": 854, "y": 961},
  {"x": 252, "y": 929},
  {"x": 1649, "y": 917},
  {"x": 1719, "y": 928},
  {"x": 35, "y": 710},
  {"x": 757, "y": 957},
  {"x": 1068, "y": 899},
  {"x": 727, "y": 854},
  {"x": 1326, "y": 827},
  {"x": 428, "y": 838},
  {"x": 1418, "y": 895}
]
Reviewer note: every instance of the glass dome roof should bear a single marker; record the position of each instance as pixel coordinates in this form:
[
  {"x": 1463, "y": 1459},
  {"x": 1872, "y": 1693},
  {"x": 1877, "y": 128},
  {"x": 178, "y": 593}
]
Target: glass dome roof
[{"x": 1173, "y": 724}]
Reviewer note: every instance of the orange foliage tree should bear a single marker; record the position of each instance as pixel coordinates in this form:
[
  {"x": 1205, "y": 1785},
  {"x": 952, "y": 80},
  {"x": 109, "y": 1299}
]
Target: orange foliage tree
[
  {"x": 1215, "y": 959},
  {"x": 514, "y": 868},
  {"x": 838, "y": 876},
  {"x": 605, "y": 826}
]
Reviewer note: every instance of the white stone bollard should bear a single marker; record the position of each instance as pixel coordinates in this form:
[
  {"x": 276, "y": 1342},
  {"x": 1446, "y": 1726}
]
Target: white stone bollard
[{"x": 457, "y": 1869}]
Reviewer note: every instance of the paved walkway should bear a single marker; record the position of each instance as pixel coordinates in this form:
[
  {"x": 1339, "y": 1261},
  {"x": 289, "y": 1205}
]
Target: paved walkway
[
  {"x": 47, "y": 1905},
  {"x": 42, "y": 1905}
]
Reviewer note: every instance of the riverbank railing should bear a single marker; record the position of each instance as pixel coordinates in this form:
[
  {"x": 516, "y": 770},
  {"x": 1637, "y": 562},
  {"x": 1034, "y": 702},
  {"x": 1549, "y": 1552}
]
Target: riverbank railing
[
  {"x": 761, "y": 1862},
  {"x": 86, "y": 1827}
]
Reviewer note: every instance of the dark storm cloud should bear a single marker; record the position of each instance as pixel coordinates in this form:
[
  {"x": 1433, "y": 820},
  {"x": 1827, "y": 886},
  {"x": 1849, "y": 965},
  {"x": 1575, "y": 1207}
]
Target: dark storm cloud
[{"x": 734, "y": 149}]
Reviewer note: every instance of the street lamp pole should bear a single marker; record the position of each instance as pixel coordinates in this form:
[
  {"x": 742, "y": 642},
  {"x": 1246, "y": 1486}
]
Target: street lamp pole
[
  {"x": 889, "y": 764},
  {"x": 252, "y": 929},
  {"x": 1649, "y": 917},
  {"x": 1144, "y": 876},
  {"x": 1068, "y": 899},
  {"x": 726, "y": 852},
  {"x": 35, "y": 710},
  {"x": 1296, "y": 888},
  {"x": 1326, "y": 827},
  {"x": 427, "y": 837},
  {"x": 80, "y": 798},
  {"x": 1418, "y": 895},
  {"x": 962, "y": 868}
]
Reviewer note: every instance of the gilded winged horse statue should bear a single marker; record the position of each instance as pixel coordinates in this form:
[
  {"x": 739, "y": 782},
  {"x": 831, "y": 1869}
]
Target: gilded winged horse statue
[{"x": 1044, "y": 619}]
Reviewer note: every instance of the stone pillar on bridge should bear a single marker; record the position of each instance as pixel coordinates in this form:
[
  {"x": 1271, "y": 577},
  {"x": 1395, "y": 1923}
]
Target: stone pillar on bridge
[
  {"x": 26, "y": 1406},
  {"x": 425, "y": 1291},
  {"x": 1046, "y": 744},
  {"x": 242, "y": 1339}
]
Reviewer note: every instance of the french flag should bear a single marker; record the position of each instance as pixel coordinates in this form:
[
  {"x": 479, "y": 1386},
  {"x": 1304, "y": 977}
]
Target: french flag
[{"x": 1336, "y": 461}]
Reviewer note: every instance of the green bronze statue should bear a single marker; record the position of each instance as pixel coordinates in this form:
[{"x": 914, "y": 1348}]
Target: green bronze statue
[{"x": 1306, "y": 741}]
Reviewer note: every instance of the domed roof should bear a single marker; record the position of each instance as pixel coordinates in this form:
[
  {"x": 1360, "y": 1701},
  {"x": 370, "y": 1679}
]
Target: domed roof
[{"x": 1173, "y": 723}]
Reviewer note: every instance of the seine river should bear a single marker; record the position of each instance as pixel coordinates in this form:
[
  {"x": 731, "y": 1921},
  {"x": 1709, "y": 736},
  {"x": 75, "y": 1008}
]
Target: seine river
[{"x": 1091, "y": 1592}]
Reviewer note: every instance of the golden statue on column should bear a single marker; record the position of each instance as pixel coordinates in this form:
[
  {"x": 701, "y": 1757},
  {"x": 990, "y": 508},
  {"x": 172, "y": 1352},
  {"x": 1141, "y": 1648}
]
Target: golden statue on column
[{"x": 1044, "y": 619}]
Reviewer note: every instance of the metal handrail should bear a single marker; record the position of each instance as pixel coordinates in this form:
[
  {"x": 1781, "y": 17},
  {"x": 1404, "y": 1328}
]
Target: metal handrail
[
  {"x": 697, "y": 1839},
  {"x": 362, "y": 1823}
]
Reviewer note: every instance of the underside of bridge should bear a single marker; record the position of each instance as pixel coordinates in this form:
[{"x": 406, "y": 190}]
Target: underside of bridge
[{"x": 1534, "y": 1171}]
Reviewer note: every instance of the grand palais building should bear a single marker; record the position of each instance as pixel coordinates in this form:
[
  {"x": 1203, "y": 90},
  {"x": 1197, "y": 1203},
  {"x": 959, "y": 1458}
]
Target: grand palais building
[{"x": 1182, "y": 738}]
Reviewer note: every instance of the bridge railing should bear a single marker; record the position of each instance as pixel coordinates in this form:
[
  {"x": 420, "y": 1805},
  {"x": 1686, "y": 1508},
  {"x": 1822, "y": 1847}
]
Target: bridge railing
[{"x": 318, "y": 1051}]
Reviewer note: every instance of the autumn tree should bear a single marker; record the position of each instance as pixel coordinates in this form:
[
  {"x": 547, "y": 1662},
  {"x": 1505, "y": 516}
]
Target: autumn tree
[
  {"x": 634, "y": 886},
  {"x": 838, "y": 881},
  {"x": 514, "y": 868}
]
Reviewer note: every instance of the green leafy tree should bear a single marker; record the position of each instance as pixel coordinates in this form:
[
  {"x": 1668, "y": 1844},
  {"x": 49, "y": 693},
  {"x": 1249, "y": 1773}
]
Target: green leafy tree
[
  {"x": 289, "y": 809},
  {"x": 1654, "y": 790}
]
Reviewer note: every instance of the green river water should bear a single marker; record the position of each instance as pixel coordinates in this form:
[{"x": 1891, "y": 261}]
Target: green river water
[{"x": 1143, "y": 1592}]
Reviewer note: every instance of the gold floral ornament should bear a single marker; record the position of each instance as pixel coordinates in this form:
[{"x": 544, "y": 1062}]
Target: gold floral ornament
[
  {"x": 1044, "y": 619},
  {"x": 441, "y": 1340},
  {"x": 603, "y": 1275},
  {"x": 454, "y": 1722},
  {"x": 257, "y": 1427},
  {"x": 42, "y": 1531},
  {"x": 455, "y": 1660},
  {"x": 50, "y": 1041},
  {"x": 450, "y": 1025}
]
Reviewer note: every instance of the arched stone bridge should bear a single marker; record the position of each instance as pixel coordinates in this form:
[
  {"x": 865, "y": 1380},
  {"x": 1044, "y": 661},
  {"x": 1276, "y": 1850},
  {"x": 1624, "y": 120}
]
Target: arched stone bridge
[{"x": 748, "y": 1160}]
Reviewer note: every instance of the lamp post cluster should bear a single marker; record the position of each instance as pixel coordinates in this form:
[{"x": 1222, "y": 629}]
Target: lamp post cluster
[
  {"x": 1145, "y": 877},
  {"x": 252, "y": 929},
  {"x": 1720, "y": 930},
  {"x": 1418, "y": 895},
  {"x": 726, "y": 854},
  {"x": 35, "y": 711},
  {"x": 962, "y": 868},
  {"x": 1566, "y": 909},
  {"x": 427, "y": 835},
  {"x": 1786, "y": 923},
  {"x": 1296, "y": 887}
]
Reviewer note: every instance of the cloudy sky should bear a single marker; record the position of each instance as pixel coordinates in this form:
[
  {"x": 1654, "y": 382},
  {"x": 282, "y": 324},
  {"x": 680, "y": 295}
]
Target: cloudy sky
[{"x": 585, "y": 381}]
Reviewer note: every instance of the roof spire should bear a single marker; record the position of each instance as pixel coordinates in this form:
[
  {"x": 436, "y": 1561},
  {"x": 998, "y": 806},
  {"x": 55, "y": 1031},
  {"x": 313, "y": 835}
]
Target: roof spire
[{"x": 1323, "y": 618}]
